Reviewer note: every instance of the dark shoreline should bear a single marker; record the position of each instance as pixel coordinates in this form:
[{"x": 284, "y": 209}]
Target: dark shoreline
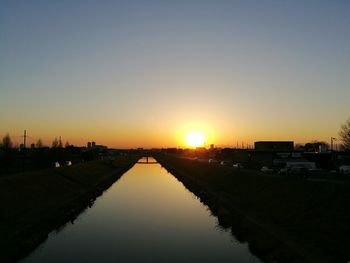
[
  {"x": 18, "y": 240},
  {"x": 267, "y": 242}
]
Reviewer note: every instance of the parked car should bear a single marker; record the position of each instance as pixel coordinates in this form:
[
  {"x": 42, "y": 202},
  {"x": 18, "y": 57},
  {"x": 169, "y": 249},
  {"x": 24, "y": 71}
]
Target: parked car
[
  {"x": 283, "y": 171},
  {"x": 302, "y": 171},
  {"x": 300, "y": 164},
  {"x": 266, "y": 170},
  {"x": 213, "y": 161},
  {"x": 224, "y": 162},
  {"x": 237, "y": 165},
  {"x": 316, "y": 172},
  {"x": 344, "y": 169}
]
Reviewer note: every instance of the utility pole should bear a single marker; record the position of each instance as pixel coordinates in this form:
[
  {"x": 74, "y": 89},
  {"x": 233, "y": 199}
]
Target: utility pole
[
  {"x": 24, "y": 139},
  {"x": 24, "y": 152}
]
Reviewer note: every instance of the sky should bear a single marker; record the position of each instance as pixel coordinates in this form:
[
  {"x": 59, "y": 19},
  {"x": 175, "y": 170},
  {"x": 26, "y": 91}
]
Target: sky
[{"x": 145, "y": 73}]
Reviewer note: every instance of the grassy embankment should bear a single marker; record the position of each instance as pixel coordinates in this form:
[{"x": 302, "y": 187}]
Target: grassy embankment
[
  {"x": 35, "y": 203},
  {"x": 283, "y": 219}
]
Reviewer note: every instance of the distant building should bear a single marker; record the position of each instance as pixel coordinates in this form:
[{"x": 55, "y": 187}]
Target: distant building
[
  {"x": 274, "y": 146},
  {"x": 89, "y": 144},
  {"x": 93, "y": 144}
]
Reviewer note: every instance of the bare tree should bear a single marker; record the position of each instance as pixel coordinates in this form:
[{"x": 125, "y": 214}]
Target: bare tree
[
  {"x": 39, "y": 143},
  {"x": 55, "y": 143},
  {"x": 344, "y": 134},
  {"x": 7, "y": 142},
  {"x": 60, "y": 144},
  {"x": 314, "y": 146},
  {"x": 67, "y": 144}
]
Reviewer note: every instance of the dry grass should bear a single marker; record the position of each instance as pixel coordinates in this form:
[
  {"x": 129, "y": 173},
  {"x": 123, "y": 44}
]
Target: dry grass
[
  {"x": 35, "y": 203},
  {"x": 314, "y": 216}
]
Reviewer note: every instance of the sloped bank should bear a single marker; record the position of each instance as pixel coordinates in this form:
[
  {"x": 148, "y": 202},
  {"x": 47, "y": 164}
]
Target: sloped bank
[
  {"x": 35, "y": 203},
  {"x": 283, "y": 219}
]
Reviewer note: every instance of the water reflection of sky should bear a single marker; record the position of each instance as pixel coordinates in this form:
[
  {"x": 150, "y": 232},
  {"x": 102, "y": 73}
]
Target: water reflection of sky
[{"x": 147, "y": 216}]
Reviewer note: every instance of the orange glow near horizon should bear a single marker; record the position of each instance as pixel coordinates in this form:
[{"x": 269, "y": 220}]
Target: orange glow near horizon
[
  {"x": 168, "y": 130},
  {"x": 177, "y": 133}
]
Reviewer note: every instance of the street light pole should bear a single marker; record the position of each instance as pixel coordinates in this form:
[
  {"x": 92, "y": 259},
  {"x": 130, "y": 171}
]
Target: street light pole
[{"x": 332, "y": 139}]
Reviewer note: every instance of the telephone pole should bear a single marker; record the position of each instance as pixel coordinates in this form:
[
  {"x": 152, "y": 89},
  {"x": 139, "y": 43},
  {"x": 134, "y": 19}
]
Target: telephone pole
[
  {"x": 24, "y": 139},
  {"x": 24, "y": 151}
]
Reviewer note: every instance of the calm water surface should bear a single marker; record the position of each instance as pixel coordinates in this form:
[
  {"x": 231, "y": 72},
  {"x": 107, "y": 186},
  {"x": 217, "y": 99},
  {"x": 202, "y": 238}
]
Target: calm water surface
[{"x": 146, "y": 216}]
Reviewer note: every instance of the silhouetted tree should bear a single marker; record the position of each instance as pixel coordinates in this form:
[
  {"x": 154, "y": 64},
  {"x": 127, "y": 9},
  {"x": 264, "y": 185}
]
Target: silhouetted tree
[
  {"x": 344, "y": 135},
  {"x": 7, "y": 142},
  {"x": 60, "y": 144},
  {"x": 54, "y": 143},
  {"x": 314, "y": 146},
  {"x": 67, "y": 144},
  {"x": 39, "y": 144}
]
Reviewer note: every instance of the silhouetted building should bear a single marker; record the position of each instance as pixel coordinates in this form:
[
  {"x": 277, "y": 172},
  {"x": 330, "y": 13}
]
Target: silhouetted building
[
  {"x": 94, "y": 146},
  {"x": 275, "y": 146}
]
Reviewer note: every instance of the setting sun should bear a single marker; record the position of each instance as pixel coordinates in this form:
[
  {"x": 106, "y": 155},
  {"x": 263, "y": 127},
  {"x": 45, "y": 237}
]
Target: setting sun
[{"x": 195, "y": 139}]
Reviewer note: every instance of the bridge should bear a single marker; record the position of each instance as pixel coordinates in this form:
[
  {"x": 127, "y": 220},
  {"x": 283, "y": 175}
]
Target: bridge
[{"x": 147, "y": 160}]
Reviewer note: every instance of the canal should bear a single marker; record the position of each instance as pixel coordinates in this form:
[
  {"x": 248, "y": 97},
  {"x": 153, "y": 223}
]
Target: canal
[{"x": 146, "y": 216}]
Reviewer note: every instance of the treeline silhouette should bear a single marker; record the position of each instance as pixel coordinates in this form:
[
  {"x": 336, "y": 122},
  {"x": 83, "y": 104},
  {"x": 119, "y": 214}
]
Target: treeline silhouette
[{"x": 37, "y": 156}]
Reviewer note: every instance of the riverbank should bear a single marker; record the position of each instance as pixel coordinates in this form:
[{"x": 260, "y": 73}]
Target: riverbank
[
  {"x": 35, "y": 203},
  {"x": 283, "y": 219}
]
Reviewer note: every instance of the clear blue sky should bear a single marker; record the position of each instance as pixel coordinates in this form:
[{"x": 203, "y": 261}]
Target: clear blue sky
[{"x": 139, "y": 73}]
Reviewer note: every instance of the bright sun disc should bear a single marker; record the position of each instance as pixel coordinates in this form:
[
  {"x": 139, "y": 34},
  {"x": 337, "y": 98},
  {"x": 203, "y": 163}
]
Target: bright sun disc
[{"x": 195, "y": 139}]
